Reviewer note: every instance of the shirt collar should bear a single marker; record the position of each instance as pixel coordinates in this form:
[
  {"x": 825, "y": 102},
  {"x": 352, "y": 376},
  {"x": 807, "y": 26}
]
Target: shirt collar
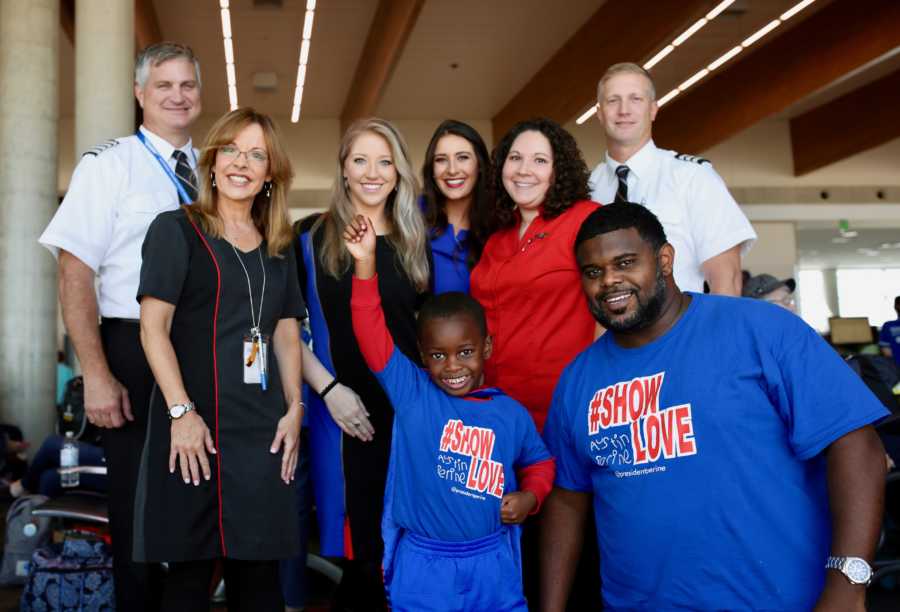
[
  {"x": 639, "y": 164},
  {"x": 165, "y": 149}
]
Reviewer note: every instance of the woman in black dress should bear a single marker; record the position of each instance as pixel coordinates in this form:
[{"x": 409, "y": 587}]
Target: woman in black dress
[
  {"x": 219, "y": 308},
  {"x": 350, "y": 434}
]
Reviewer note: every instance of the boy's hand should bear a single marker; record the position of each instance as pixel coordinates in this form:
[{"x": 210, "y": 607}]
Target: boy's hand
[
  {"x": 515, "y": 507},
  {"x": 359, "y": 236}
]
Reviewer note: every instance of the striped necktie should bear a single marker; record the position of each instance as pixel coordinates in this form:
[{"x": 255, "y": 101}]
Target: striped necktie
[
  {"x": 185, "y": 174},
  {"x": 622, "y": 191}
]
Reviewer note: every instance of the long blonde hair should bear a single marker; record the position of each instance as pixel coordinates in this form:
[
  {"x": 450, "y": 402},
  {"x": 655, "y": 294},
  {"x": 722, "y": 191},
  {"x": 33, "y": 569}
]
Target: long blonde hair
[
  {"x": 407, "y": 227},
  {"x": 269, "y": 213}
]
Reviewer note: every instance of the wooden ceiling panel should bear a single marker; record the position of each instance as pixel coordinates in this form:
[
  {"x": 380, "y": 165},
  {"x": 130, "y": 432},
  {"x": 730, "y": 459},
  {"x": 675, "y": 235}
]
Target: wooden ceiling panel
[
  {"x": 851, "y": 124},
  {"x": 620, "y": 30},
  {"x": 836, "y": 40},
  {"x": 390, "y": 29}
]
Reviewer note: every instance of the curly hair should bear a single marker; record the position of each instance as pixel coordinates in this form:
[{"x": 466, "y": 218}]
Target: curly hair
[
  {"x": 480, "y": 212},
  {"x": 570, "y": 183}
]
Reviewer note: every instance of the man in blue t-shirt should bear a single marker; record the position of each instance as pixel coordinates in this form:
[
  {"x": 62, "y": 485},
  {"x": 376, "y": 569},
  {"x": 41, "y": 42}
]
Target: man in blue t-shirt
[
  {"x": 889, "y": 339},
  {"x": 712, "y": 435}
]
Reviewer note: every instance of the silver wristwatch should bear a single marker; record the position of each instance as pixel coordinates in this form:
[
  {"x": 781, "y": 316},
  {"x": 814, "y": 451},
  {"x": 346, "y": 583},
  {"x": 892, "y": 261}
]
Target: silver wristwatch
[
  {"x": 179, "y": 410},
  {"x": 857, "y": 570}
]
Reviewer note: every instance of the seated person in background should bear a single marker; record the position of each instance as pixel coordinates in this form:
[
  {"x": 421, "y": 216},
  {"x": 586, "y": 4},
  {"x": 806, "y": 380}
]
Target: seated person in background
[
  {"x": 42, "y": 475},
  {"x": 768, "y": 288},
  {"x": 64, "y": 373},
  {"x": 457, "y": 447},
  {"x": 726, "y": 449},
  {"x": 889, "y": 339}
]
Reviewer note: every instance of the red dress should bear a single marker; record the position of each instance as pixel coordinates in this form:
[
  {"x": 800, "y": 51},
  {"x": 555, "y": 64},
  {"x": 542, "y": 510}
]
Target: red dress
[{"x": 530, "y": 288}]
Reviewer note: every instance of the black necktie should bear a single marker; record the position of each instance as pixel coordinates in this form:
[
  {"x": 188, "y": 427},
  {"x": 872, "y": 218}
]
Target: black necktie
[
  {"x": 185, "y": 174},
  {"x": 622, "y": 191}
]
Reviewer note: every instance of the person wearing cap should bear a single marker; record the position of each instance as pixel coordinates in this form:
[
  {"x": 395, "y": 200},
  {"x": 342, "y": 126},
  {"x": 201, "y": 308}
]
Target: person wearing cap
[{"x": 767, "y": 287}]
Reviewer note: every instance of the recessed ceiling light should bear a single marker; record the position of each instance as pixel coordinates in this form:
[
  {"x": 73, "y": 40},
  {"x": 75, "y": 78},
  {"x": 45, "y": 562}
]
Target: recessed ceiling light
[
  {"x": 230, "y": 72},
  {"x": 677, "y": 41},
  {"x": 747, "y": 42},
  {"x": 305, "y": 44}
]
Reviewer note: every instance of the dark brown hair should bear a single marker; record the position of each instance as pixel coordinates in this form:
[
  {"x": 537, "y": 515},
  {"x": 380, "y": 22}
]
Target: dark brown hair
[
  {"x": 570, "y": 183},
  {"x": 481, "y": 216}
]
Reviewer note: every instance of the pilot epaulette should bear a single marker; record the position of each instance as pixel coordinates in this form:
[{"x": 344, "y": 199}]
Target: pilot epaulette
[
  {"x": 100, "y": 148},
  {"x": 692, "y": 158}
]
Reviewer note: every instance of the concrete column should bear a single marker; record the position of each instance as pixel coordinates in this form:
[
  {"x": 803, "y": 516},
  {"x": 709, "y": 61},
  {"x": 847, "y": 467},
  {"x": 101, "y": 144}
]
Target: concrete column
[
  {"x": 104, "y": 71},
  {"x": 29, "y": 71},
  {"x": 829, "y": 279}
]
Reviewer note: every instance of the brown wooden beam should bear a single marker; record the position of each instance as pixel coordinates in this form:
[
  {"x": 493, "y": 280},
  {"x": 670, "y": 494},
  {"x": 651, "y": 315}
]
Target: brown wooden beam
[
  {"x": 839, "y": 38},
  {"x": 390, "y": 29},
  {"x": 146, "y": 24},
  {"x": 620, "y": 31},
  {"x": 67, "y": 18},
  {"x": 855, "y": 122}
]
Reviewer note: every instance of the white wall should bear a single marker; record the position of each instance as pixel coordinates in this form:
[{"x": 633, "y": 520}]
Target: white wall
[{"x": 775, "y": 251}]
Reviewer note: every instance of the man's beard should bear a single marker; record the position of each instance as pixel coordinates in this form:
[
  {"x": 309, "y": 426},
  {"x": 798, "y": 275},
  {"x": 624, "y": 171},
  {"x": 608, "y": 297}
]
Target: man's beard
[{"x": 644, "y": 315}]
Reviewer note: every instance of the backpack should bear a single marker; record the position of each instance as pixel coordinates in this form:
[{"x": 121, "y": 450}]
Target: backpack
[
  {"x": 24, "y": 534},
  {"x": 70, "y": 415},
  {"x": 75, "y": 576}
]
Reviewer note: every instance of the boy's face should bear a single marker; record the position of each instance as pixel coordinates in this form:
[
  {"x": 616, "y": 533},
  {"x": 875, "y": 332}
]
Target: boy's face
[{"x": 454, "y": 351}]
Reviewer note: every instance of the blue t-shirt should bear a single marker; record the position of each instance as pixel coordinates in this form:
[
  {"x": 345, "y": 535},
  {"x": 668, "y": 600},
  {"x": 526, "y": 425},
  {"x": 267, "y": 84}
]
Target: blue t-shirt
[
  {"x": 703, "y": 451},
  {"x": 452, "y": 459},
  {"x": 890, "y": 338},
  {"x": 450, "y": 249}
]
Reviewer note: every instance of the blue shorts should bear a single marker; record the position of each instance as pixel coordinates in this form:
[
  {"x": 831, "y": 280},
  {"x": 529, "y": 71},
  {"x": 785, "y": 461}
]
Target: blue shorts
[{"x": 436, "y": 576}]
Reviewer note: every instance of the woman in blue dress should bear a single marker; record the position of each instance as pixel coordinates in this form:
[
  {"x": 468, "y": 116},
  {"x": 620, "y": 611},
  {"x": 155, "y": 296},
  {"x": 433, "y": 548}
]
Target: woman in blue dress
[{"x": 456, "y": 201}]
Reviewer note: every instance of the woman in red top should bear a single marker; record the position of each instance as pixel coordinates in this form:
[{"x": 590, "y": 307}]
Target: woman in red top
[{"x": 527, "y": 279}]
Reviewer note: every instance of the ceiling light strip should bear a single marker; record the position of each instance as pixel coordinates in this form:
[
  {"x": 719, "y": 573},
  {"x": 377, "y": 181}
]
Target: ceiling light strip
[
  {"x": 305, "y": 44},
  {"x": 676, "y": 42},
  {"x": 230, "y": 73},
  {"x": 750, "y": 40}
]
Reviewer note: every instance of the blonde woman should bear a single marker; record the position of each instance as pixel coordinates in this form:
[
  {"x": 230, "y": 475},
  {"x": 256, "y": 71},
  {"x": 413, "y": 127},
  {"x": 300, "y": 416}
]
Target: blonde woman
[
  {"x": 219, "y": 308},
  {"x": 350, "y": 417}
]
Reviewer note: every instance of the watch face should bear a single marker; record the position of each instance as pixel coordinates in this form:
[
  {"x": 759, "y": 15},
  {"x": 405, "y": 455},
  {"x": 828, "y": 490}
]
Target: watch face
[
  {"x": 857, "y": 571},
  {"x": 176, "y": 412}
]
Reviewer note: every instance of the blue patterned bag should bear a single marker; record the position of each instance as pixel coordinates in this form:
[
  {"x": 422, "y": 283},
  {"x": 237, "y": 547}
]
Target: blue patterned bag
[{"x": 75, "y": 576}]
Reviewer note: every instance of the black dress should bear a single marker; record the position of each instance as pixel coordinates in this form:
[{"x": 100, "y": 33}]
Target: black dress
[
  {"x": 245, "y": 511},
  {"x": 364, "y": 463}
]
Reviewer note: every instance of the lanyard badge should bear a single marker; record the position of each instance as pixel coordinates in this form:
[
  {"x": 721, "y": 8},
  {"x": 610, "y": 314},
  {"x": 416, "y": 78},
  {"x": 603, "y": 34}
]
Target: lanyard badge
[
  {"x": 182, "y": 192},
  {"x": 255, "y": 355}
]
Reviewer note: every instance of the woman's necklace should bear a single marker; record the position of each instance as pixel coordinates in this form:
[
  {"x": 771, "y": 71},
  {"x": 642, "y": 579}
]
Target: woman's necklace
[{"x": 258, "y": 347}]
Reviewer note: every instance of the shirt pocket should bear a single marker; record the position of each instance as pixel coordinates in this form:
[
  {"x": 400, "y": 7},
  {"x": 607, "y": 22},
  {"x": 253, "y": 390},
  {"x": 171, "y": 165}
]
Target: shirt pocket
[{"x": 152, "y": 203}]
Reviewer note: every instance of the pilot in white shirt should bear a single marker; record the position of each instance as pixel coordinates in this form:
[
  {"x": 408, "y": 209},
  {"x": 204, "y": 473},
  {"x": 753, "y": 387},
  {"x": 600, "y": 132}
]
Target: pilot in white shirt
[
  {"x": 116, "y": 191},
  {"x": 703, "y": 222}
]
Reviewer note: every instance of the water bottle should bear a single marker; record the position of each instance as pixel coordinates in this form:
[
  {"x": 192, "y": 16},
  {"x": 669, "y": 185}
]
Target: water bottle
[{"x": 68, "y": 458}]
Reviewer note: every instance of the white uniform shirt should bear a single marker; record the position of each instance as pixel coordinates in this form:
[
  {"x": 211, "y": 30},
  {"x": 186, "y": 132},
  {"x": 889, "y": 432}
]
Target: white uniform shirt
[
  {"x": 690, "y": 199},
  {"x": 116, "y": 191}
]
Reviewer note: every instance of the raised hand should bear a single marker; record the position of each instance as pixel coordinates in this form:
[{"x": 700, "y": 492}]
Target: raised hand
[{"x": 359, "y": 236}]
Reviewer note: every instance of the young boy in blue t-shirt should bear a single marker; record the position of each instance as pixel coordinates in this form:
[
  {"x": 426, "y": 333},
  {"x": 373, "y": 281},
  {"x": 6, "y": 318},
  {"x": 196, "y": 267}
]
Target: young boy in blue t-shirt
[{"x": 452, "y": 507}]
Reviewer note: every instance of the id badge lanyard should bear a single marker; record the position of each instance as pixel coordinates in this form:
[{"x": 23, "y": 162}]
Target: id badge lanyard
[
  {"x": 258, "y": 349},
  {"x": 182, "y": 192}
]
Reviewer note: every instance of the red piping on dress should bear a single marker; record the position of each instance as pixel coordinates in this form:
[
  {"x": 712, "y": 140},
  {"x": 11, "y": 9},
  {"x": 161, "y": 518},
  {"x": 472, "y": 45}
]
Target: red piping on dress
[{"x": 215, "y": 379}]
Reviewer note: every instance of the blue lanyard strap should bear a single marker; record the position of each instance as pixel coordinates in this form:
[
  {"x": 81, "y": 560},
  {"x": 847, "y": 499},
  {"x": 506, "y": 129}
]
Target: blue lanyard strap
[{"x": 182, "y": 192}]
